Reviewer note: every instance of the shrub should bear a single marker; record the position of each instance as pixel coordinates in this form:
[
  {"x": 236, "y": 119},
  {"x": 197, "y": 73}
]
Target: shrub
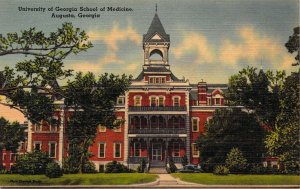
[
  {"x": 116, "y": 167},
  {"x": 260, "y": 169},
  {"x": 89, "y": 167},
  {"x": 69, "y": 167},
  {"x": 53, "y": 170},
  {"x": 141, "y": 168},
  {"x": 221, "y": 170},
  {"x": 172, "y": 166},
  {"x": 235, "y": 161},
  {"x": 32, "y": 163}
]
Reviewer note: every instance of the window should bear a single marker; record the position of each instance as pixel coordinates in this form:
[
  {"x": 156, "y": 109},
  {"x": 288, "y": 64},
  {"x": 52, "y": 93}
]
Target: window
[
  {"x": 195, "y": 150},
  {"x": 157, "y": 80},
  {"x": 160, "y": 101},
  {"x": 151, "y": 80},
  {"x": 209, "y": 101},
  {"x": 53, "y": 128},
  {"x": 3, "y": 157},
  {"x": 176, "y": 101},
  {"x": 102, "y": 128},
  {"x": 176, "y": 149},
  {"x": 117, "y": 150},
  {"x": 101, "y": 168},
  {"x": 37, "y": 146},
  {"x": 163, "y": 80},
  {"x": 120, "y": 101},
  {"x": 152, "y": 101},
  {"x": 175, "y": 122},
  {"x": 102, "y": 146},
  {"x": 208, "y": 119},
  {"x": 52, "y": 149},
  {"x": 12, "y": 157},
  {"x": 38, "y": 127},
  {"x": 218, "y": 101},
  {"x": 195, "y": 125},
  {"x": 137, "y": 100},
  {"x": 137, "y": 149}
]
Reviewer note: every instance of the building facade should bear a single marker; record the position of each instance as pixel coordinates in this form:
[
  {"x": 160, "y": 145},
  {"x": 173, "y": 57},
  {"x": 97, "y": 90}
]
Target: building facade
[{"x": 163, "y": 115}]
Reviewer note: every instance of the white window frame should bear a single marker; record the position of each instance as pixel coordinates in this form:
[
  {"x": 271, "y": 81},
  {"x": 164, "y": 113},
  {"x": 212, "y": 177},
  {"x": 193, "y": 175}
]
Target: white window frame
[
  {"x": 209, "y": 118},
  {"x": 115, "y": 143},
  {"x": 40, "y": 127},
  {"x": 3, "y": 156},
  {"x": 11, "y": 156},
  {"x": 51, "y": 128},
  {"x": 195, "y": 118},
  {"x": 37, "y": 142},
  {"x": 163, "y": 102},
  {"x": 193, "y": 150},
  {"x": 150, "y": 101},
  {"x": 209, "y": 101},
  {"x": 135, "y": 102},
  {"x": 49, "y": 149},
  {"x": 101, "y": 128},
  {"x": 176, "y": 97},
  {"x": 134, "y": 149},
  {"x": 104, "y": 150},
  {"x": 122, "y": 101}
]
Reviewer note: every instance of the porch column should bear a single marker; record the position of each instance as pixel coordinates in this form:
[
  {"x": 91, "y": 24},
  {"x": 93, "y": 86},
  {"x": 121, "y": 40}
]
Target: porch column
[
  {"x": 29, "y": 137},
  {"x": 61, "y": 135}
]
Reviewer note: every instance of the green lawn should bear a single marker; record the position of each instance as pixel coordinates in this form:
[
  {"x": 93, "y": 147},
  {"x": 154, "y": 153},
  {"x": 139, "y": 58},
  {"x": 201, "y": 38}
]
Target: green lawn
[
  {"x": 211, "y": 179},
  {"x": 77, "y": 179}
]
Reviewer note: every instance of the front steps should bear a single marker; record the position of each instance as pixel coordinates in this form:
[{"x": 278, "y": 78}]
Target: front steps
[
  {"x": 158, "y": 167},
  {"x": 158, "y": 170}
]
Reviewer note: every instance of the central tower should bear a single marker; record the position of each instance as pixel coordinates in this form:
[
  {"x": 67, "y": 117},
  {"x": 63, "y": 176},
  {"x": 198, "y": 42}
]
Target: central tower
[{"x": 156, "y": 45}]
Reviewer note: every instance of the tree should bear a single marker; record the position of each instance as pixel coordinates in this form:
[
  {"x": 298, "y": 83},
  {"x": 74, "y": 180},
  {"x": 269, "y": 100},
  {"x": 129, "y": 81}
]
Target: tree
[
  {"x": 284, "y": 141},
  {"x": 33, "y": 163},
  {"x": 235, "y": 161},
  {"x": 230, "y": 128},
  {"x": 34, "y": 83},
  {"x": 11, "y": 134},
  {"x": 92, "y": 100},
  {"x": 257, "y": 92},
  {"x": 292, "y": 45}
]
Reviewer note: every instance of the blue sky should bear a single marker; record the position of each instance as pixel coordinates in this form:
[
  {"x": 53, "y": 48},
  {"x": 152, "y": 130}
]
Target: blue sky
[{"x": 210, "y": 39}]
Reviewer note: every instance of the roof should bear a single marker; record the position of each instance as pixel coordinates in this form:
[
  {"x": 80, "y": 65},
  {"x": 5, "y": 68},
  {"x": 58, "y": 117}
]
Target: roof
[
  {"x": 156, "y": 69},
  {"x": 156, "y": 28}
]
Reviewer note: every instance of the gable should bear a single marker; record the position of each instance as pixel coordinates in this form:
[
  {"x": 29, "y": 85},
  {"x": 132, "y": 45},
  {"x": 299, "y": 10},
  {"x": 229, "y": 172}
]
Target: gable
[{"x": 156, "y": 36}]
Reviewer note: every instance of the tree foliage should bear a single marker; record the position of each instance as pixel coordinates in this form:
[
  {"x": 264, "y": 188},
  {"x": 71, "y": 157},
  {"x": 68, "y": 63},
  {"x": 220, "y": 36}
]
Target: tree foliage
[
  {"x": 10, "y": 135},
  {"x": 93, "y": 101},
  {"x": 230, "y": 128},
  {"x": 284, "y": 141},
  {"x": 33, "y": 163},
  {"x": 53, "y": 170},
  {"x": 258, "y": 92},
  {"x": 235, "y": 161},
  {"x": 292, "y": 45},
  {"x": 25, "y": 87}
]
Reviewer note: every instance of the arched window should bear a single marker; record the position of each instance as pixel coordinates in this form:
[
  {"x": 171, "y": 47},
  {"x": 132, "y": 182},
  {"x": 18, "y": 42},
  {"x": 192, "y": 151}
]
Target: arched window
[{"x": 156, "y": 55}]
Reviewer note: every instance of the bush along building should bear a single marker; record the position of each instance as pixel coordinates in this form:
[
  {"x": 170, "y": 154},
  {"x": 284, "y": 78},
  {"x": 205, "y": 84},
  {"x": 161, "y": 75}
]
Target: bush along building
[{"x": 163, "y": 115}]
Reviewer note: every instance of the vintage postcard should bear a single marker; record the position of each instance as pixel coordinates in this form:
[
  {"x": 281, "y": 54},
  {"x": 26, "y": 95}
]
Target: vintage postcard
[{"x": 149, "y": 93}]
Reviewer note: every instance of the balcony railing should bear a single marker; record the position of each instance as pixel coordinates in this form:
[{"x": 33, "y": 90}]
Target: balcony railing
[
  {"x": 138, "y": 159},
  {"x": 157, "y": 131},
  {"x": 156, "y": 108},
  {"x": 176, "y": 159}
]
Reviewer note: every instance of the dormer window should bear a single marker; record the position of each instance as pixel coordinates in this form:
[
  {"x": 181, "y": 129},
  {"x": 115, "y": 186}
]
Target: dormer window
[{"x": 157, "y": 79}]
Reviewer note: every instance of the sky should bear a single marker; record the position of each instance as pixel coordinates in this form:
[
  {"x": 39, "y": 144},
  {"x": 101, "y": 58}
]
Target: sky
[{"x": 210, "y": 39}]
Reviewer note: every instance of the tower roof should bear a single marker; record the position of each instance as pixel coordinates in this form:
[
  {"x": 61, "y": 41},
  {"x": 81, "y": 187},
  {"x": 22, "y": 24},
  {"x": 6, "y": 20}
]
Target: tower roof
[{"x": 156, "y": 28}]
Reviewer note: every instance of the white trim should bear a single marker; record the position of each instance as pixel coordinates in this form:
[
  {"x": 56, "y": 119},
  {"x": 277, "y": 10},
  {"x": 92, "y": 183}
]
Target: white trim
[
  {"x": 49, "y": 148},
  {"x": 37, "y": 142},
  {"x": 115, "y": 149},
  {"x": 209, "y": 118},
  {"x": 198, "y": 153},
  {"x": 3, "y": 156},
  {"x": 173, "y": 100},
  {"x": 192, "y": 120},
  {"x": 140, "y": 149},
  {"x": 134, "y": 100},
  {"x": 100, "y": 127},
  {"x": 99, "y": 149}
]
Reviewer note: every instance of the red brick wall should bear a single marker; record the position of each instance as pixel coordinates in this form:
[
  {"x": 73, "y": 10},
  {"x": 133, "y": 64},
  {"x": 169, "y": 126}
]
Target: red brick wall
[{"x": 146, "y": 100}]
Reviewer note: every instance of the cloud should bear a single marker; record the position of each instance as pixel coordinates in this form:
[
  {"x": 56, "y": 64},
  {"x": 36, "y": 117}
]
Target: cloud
[
  {"x": 115, "y": 35},
  {"x": 254, "y": 48},
  {"x": 132, "y": 67},
  {"x": 195, "y": 43}
]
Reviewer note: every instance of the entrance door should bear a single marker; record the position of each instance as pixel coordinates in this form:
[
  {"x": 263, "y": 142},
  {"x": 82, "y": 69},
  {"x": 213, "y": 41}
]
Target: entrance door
[{"x": 156, "y": 151}]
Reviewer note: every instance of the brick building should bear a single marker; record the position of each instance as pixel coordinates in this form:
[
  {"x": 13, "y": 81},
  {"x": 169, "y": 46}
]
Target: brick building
[{"x": 163, "y": 115}]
